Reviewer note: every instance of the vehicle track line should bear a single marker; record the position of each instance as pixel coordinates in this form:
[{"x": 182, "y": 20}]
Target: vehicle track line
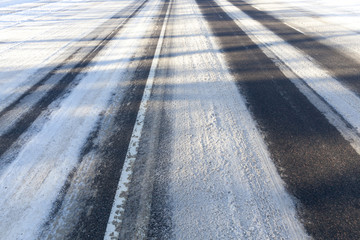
[
  {"x": 342, "y": 67},
  {"x": 25, "y": 121},
  {"x": 319, "y": 166},
  {"x": 112, "y": 231}
]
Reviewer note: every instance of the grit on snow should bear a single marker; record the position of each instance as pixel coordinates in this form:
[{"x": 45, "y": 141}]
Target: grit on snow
[{"x": 222, "y": 181}]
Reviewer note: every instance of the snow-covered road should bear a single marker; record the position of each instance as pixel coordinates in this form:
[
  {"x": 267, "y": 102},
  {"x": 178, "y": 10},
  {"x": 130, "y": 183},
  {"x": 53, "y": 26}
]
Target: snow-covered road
[{"x": 179, "y": 119}]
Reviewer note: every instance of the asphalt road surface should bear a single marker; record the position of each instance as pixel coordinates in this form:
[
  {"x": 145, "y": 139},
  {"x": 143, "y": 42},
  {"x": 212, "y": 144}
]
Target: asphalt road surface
[{"x": 179, "y": 119}]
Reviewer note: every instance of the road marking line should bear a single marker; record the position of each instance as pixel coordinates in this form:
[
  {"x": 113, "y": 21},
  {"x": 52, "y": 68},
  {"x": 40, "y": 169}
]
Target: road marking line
[
  {"x": 120, "y": 197},
  {"x": 287, "y": 24}
]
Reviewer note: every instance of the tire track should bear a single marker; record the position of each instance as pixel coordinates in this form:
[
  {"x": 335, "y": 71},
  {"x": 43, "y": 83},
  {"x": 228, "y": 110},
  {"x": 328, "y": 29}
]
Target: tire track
[
  {"x": 320, "y": 168},
  {"x": 105, "y": 153},
  {"x": 39, "y": 172},
  {"x": 340, "y": 66},
  {"x": 146, "y": 211},
  {"x": 340, "y": 105},
  {"x": 115, "y": 227},
  {"x": 29, "y": 106}
]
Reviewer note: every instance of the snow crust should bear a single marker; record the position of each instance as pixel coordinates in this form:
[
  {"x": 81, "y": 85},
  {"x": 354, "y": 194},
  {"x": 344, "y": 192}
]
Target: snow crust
[{"x": 223, "y": 184}]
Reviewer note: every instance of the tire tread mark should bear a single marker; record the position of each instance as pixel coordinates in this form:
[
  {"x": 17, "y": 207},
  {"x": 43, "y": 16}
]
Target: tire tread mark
[
  {"x": 11, "y": 136},
  {"x": 318, "y": 165}
]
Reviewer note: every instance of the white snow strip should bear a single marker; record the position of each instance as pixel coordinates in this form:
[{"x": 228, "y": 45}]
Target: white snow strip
[
  {"x": 120, "y": 198},
  {"x": 344, "y": 101},
  {"x": 222, "y": 181},
  {"x": 30, "y": 185}
]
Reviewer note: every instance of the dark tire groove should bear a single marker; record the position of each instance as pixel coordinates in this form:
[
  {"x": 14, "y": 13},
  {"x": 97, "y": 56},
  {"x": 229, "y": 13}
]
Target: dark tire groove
[
  {"x": 92, "y": 223},
  {"x": 319, "y": 167}
]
